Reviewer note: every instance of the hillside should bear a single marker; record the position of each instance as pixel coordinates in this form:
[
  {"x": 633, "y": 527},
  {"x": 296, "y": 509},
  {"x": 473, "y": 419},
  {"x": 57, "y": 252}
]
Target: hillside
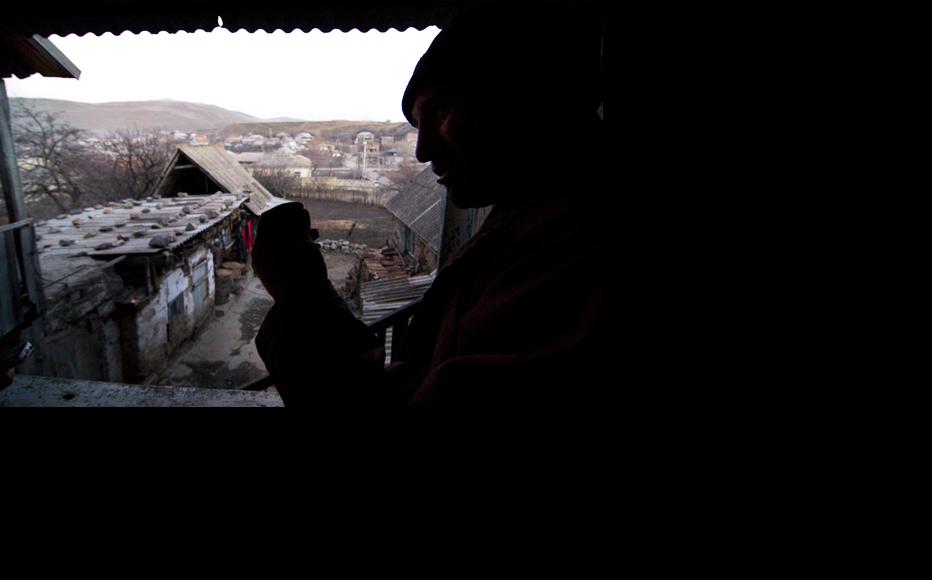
[
  {"x": 146, "y": 115},
  {"x": 325, "y": 130}
]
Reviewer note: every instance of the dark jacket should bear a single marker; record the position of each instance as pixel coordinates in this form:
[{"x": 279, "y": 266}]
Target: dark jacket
[{"x": 514, "y": 321}]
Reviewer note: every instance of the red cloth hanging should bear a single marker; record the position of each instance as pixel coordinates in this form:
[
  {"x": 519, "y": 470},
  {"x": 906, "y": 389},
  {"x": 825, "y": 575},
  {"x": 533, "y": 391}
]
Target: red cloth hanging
[{"x": 248, "y": 236}]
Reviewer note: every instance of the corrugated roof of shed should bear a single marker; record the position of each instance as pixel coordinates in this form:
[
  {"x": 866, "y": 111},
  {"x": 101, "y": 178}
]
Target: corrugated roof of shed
[{"x": 420, "y": 207}]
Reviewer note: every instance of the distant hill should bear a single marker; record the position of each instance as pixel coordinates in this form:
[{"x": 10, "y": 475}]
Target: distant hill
[
  {"x": 283, "y": 120},
  {"x": 322, "y": 130},
  {"x": 146, "y": 115}
]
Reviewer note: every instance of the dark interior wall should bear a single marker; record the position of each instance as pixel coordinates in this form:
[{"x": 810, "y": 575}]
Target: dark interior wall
[{"x": 186, "y": 177}]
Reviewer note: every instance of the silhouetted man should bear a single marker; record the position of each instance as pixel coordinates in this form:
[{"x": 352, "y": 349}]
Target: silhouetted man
[{"x": 505, "y": 107}]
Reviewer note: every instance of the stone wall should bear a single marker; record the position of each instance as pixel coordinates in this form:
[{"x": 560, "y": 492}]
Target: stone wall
[{"x": 347, "y": 190}]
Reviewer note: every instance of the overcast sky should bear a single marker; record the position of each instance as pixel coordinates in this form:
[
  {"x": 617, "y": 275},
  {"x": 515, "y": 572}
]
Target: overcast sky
[{"x": 308, "y": 75}]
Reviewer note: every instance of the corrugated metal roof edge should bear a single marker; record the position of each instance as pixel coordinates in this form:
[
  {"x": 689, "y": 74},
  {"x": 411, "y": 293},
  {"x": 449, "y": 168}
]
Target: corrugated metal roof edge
[
  {"x": 103, "y": 16},
  {"x": 137, "y": 31},
  {"x": 183, "y": 15},
  {"x": 192, "y": 18}
]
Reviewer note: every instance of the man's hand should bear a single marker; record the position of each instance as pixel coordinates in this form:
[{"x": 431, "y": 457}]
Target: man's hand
[{"x": 286, "y": 259}]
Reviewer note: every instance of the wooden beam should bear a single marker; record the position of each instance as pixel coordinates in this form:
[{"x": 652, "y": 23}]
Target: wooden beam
[
  {"x": 177, "y": 167},
  {"x": 27, "y": 55},
  {"x": 16, "y": 210},
  {"x": 15, "y": 225},
  {"x": 55, "y": 59},
  {"x": 9, "y": 170}
]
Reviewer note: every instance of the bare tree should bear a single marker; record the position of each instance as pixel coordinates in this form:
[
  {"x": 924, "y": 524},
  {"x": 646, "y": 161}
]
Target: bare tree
[
  {"x": 408, "y": 171},
  {"x": 318, "y": 158},
  {"x": 315, "y": 185},
  {"x": 52, "y": 162},
  {"x": 137, "y": 161},
  {"x": 280, "y": 182}
]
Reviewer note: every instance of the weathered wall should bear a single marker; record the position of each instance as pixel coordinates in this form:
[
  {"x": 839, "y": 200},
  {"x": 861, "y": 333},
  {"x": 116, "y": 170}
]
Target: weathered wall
[
  {"x": 82, "y": 335},
  {"x": 90, "y": 350},
  {"x": 347, "y": 190},
  {"x": 33, "y": 391},
  {"x": 349, "y": 196},
  {"x": 145, "y": 338},
  {"x": 302, "y": 172},
  {"x": 172, "y": 315}
]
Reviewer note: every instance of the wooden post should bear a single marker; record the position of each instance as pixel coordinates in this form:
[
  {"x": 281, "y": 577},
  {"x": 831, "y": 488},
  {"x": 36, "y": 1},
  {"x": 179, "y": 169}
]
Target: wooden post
[
  {"x": 16, "y": 210},
  {"x": 9, "y": 170}
]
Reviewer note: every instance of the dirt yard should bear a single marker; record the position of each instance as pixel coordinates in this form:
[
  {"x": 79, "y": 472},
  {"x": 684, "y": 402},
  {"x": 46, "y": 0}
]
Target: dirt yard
[
  {"x": 223, "y": 355},
  {"x": 361, "y": 224}
]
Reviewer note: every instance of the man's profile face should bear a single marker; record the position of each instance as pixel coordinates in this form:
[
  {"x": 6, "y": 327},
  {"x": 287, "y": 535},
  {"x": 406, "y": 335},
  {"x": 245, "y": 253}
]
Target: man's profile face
[{"x": 454, "y": 136}]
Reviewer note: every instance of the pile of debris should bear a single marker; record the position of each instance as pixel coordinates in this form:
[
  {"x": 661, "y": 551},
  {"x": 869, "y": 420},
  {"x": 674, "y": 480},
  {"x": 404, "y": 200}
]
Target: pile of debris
[
  {"x": 383, "y": 264},
  {"x": 379, "y": 264},
  {"x": 342, "y": 246}
]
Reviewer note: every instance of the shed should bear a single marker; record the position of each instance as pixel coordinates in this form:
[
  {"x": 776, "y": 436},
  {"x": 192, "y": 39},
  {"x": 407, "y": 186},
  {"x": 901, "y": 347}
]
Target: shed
[
  {"x": 206, "y": 170},
  {"x": 128, "y": 282}
]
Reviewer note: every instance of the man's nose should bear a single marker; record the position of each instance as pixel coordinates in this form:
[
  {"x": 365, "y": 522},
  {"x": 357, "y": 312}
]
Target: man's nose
[{"x": 424, "y": 149}]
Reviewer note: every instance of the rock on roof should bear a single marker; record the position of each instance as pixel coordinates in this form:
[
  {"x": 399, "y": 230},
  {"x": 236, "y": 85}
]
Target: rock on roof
[{"x": 129, "y": 226}]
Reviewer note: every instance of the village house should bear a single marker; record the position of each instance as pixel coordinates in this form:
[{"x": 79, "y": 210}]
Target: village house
[
  {"x": 363, "y": 137},
  {"x": 392, "y": 159},
  {"x": 282, "y": 160},
  {"x": 129, "y": 282},
  {"x": 409, "y": 147},
  {"x": 248, "y": 159},
  {"x": 254, "y": 141},
  {"x": 371, "y": 148}
]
